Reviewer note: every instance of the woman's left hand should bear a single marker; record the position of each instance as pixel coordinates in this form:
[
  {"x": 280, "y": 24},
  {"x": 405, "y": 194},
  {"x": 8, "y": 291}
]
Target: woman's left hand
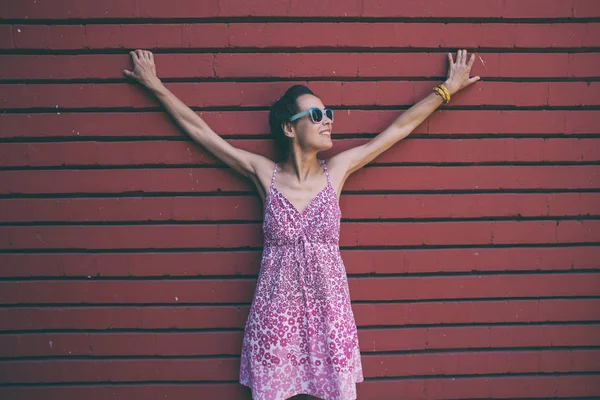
[{"x": 458, "y": 72}]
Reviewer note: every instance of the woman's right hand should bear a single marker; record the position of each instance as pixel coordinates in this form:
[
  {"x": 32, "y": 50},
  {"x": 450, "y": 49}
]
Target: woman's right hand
[{"x": 144, "y": 69}]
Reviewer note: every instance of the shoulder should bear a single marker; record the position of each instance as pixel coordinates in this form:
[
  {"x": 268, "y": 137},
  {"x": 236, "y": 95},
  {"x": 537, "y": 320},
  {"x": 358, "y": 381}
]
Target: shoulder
[
  {"x": 264, "y": 168},
  {"x": 337, "y": 165},
  {"x": 337, "y": 168}
]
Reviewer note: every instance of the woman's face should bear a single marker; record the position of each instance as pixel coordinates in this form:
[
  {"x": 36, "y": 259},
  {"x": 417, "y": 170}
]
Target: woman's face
[{"x": 308, "y": 135}]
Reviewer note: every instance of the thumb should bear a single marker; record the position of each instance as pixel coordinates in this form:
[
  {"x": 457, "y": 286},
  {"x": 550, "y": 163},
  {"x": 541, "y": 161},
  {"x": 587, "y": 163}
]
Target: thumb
[
  {"x": 129, "y": 74},
  {"x": 474, "y": 79}
]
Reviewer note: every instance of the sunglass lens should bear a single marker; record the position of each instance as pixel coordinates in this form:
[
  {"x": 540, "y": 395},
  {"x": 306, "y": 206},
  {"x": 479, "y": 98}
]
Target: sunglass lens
[
  {"x": 329, "y": 113},
  {"x": 316, "y": 115}
]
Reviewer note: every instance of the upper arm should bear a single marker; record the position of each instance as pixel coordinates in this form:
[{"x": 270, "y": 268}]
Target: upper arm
[
  {"x": 254, "y": 166},
  {"x": 244, "y": 162},
  {"x": 353, "y": 159}
]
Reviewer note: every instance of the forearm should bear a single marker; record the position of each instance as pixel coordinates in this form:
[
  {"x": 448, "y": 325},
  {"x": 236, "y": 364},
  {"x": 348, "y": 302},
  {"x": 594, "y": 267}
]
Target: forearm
[
  {"x": 184, "y": 116},
  {"x": 414, "y": 116},
  {"x": 409, "y": 120}
]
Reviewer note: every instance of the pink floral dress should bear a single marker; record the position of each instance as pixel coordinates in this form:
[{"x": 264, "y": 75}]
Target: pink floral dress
[{"x": 300, "y": 336}]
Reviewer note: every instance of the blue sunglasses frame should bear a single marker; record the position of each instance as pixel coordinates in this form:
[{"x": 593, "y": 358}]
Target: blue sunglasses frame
[{"x": 309, "y": 112}]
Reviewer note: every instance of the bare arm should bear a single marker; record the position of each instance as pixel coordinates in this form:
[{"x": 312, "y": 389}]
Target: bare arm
[
  {"x": 144, "y": 72},
  {"x": 458, "y": 77}
]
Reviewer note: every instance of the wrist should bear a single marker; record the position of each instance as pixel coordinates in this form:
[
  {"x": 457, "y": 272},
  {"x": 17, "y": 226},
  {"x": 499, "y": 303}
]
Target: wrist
[
  {"x": 452, "y": 89},
  {"x": 155, "y": 85}
]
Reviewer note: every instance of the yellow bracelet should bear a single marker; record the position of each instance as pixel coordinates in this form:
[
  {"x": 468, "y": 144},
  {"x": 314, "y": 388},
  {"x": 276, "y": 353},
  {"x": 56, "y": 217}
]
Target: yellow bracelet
[
  {"x": 442, "y": 92},
  {"x": 445, "y": 89}
]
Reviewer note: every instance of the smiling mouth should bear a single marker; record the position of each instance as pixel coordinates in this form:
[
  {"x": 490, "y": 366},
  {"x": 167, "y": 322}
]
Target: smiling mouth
[{"x": 325, "y": 133}]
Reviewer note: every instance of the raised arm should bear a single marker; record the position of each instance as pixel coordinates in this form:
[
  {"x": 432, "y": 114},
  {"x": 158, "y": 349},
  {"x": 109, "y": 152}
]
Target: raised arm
[
  {"x": 246, "y": 163},
  {"x": 458, "y": 78}
]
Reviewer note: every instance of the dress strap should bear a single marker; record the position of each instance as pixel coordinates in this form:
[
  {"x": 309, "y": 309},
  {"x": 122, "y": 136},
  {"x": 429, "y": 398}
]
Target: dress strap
[
  {"x": 274, "y": 173},
  {"x": 326, "y": 171}
]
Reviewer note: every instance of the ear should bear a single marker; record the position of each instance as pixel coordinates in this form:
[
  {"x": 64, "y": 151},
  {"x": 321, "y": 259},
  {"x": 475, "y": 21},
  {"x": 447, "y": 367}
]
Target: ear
[{"x": 288, "y": 129}]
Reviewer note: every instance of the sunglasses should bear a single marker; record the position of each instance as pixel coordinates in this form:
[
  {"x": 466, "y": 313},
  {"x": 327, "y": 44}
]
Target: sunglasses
[{"x": 316, "y": 114}]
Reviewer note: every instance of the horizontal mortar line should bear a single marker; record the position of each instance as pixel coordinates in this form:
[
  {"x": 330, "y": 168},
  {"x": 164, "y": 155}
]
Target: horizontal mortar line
[
  {"x": 127, "y": 137},
  {"x": 245, "y": 277},
  {"x": 299, "y": 50},
  {"x": 482, "y": 376},
  {"x": 259, "y": 249},
  {"x": 142, "y": 194},
  {"x": 292, "y": 80},
  {"x": 86, "y": 167},
  {"x": 338, "y": 136},
  {"x": 111, "y": 331},
  {"x": 497, "y": 271},
  {"x": 165, "y": 166},
  {"x": 536, "y": 398},
  {"x": 372, "y": 302},
  {"x": 529, "y": 398},
  {"x": 480, "y": 324},
  {"x": 492, "y": 375},
  {"x": 236, "y": 382},
  {"x": 472, "y": 273},
  {"x": 152, "y": 222},
  {"x": 403, "y": 107},
  {"x": 382, "y": 220},
  {"x": 237, "y": 277},
  {"x": 139, "y": 194},
  {"x": 249, "y": 248},
  {"x": 233, "y": 194},
  {"x": 17, "y": 307},
  {"x": 241, "y": 330},
  {"x": 115, "y": 358},
  {"x": 353, "y": 78},
  {"x": 137, "y": 20},
  {"x": 478, "y": 299},
  {"x": 151, "y": 357},
  {"x": 478, "y": 273}
]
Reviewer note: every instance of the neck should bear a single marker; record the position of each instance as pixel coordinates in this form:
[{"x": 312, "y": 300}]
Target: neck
[{"x": 302, "y": 165}]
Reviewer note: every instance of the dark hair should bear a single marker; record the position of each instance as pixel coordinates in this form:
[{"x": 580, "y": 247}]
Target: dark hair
[{"x": 281, "y": 111}]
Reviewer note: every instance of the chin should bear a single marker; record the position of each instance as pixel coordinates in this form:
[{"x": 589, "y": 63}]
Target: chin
[{"x": 326, "y": 146}]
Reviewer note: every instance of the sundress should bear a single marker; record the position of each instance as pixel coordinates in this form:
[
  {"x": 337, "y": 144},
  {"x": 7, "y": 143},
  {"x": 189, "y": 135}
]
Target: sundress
[{"x": 301, "y": 336}]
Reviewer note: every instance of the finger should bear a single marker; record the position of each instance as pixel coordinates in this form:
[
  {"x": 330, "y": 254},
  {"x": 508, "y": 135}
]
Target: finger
[
  {"x": 140, "y": 54},
  {"x": 462, "y": 56},
  {"x": 129, "y": 74},
  {"x": 450, "y": 59},
  {"x": 474, "y": 79},
  {"x": 471, "y": 61},
  {"x": 151, "y": 56},
  {"x": 135, "y": 57}
]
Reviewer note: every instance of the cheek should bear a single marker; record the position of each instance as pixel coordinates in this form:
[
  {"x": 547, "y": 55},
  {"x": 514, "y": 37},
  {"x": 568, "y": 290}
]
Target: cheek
[
  {"x": 316, "y": 128},
  {"x": 309, "y": 132}
]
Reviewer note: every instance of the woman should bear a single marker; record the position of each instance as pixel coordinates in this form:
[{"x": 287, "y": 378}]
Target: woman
[{"x": 300, "y": 336}]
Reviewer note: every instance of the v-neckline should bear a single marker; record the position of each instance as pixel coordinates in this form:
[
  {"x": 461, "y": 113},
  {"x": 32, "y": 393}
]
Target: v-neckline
[
  {"x": 307, "y": 205},
  {"x": 311, "y": 200}
]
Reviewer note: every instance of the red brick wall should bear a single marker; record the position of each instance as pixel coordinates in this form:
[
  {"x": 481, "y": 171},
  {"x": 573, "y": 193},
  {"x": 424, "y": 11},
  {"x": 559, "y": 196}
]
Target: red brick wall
[{"x": 128, "y": 255}]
